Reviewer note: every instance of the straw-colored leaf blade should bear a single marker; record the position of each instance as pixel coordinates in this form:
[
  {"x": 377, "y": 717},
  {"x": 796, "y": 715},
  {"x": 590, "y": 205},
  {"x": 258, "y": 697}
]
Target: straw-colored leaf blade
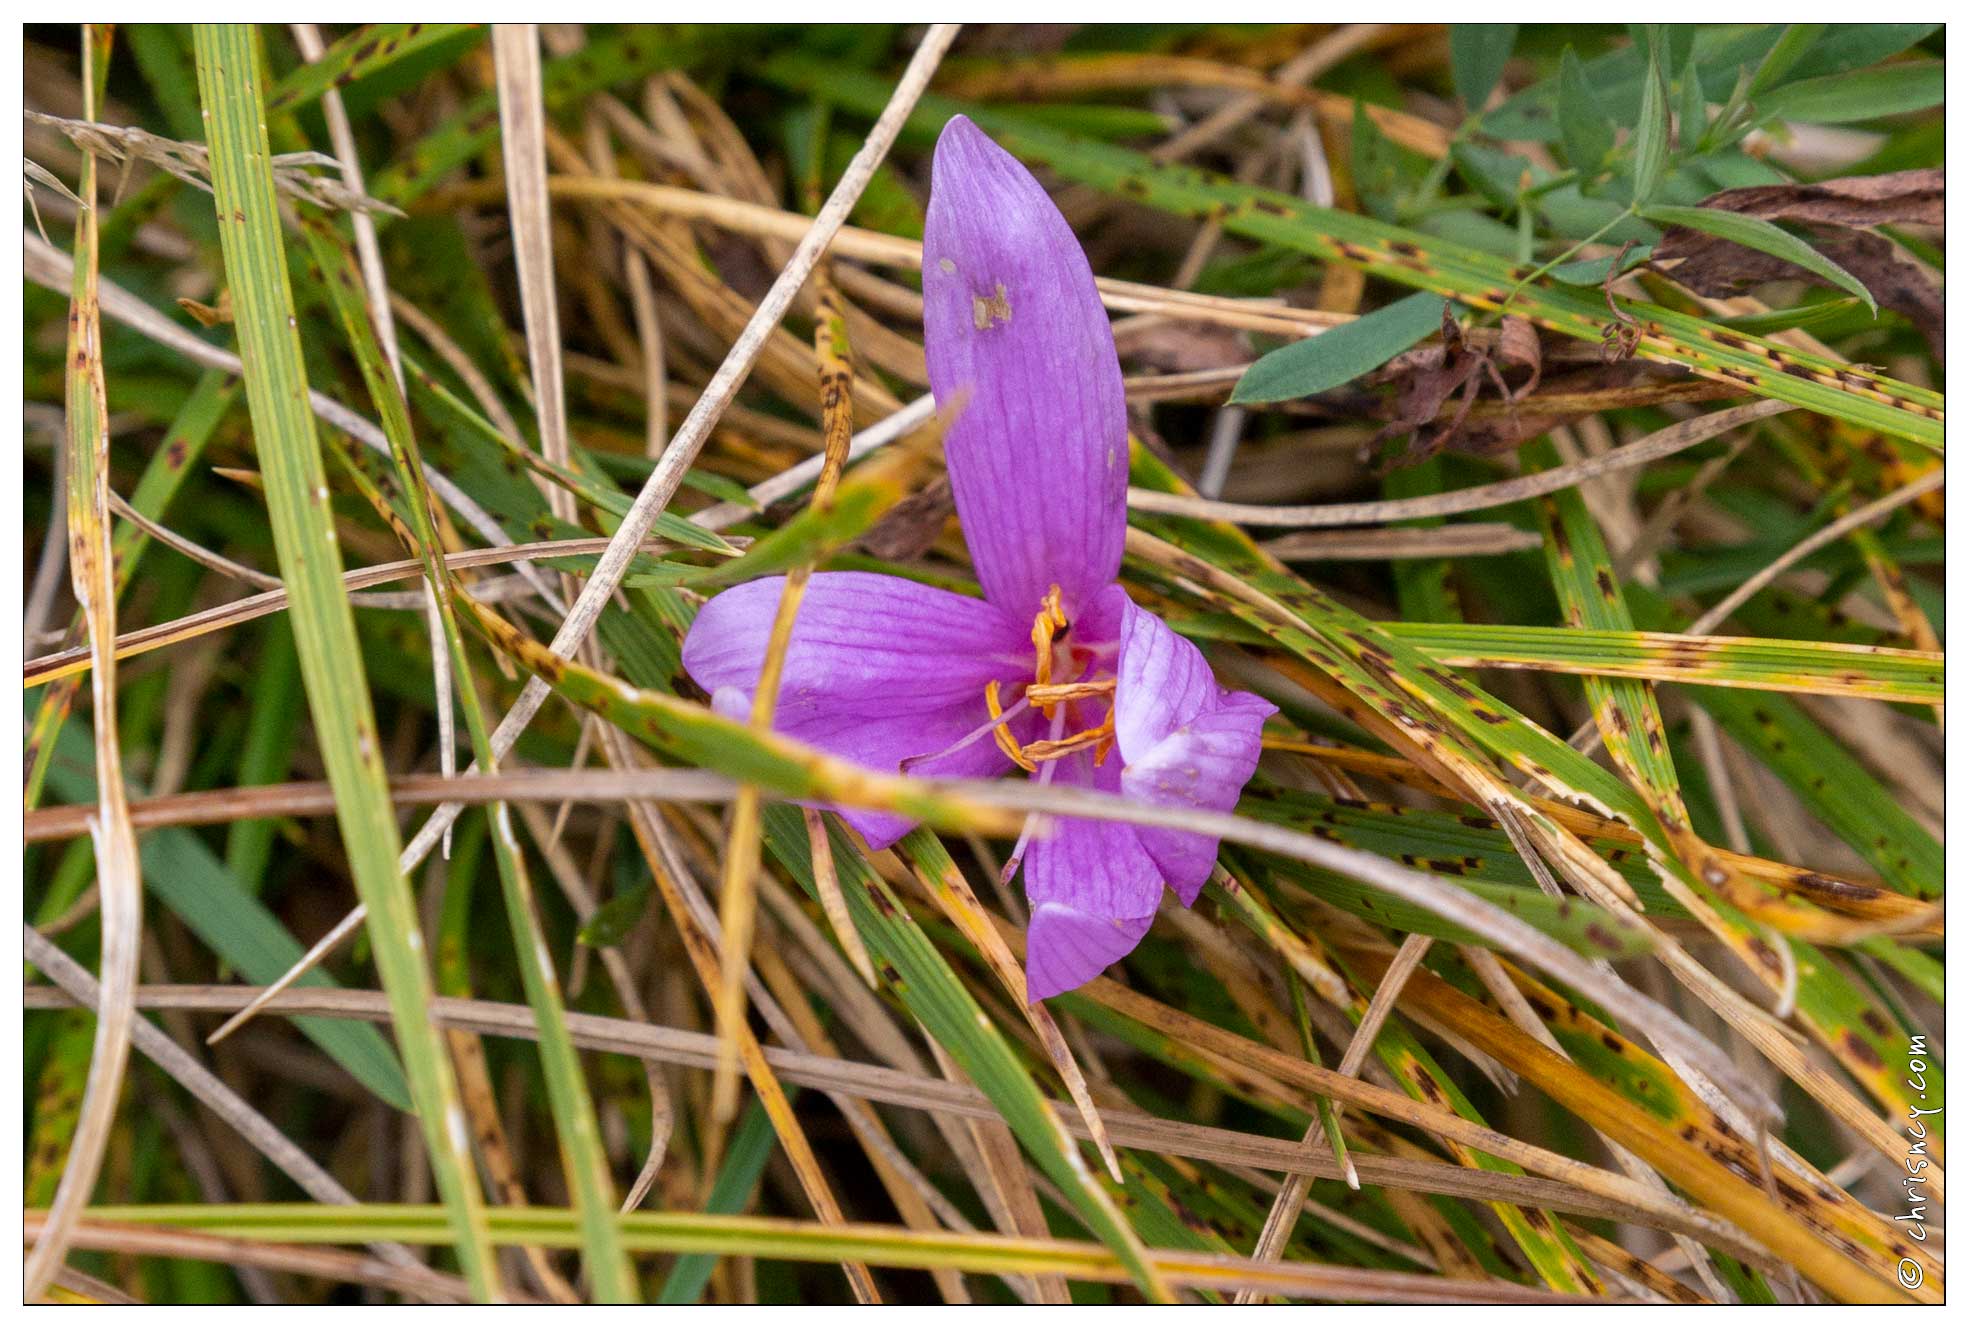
[
  {"x": 324, "y": 628},
  {"x": 92, "y": 576},
  {"x": 787, "y": 1239},
  {"x": 1552, "y": 1253},
  {"x": 1833, "y": 1241},
  {"x": 1658, "y": 1095}
]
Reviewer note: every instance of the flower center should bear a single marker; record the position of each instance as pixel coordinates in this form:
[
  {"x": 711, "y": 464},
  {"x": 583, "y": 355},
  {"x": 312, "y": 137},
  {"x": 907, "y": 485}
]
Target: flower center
[{"x": 1050, "y": 654}]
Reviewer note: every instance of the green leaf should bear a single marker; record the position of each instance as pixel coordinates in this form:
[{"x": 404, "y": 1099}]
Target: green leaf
[
  {"x": 612, "y": 922},
  {"x": 359, "y": 54},
  {"x": 1765, "y": 237},
  {"x": 1864, "y": 94},
  {"x": 1651, "y": 128},
  {"x": 1341, "y": 354},
  {"x": 1498, "y": 176},
  {"x": 1845, "y": 46},
  {"x": 1694, "y": 112},
  {"x": 1477, "y": 52},
  {"x": 1797, "y": 39},
  {"x": 1584, "y": 127}
]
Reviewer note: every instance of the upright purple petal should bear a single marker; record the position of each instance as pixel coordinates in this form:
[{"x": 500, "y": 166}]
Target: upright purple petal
[
  {"x": 1186, "y": 742},
  {"x": 1015, "y": 334},
  {"x": 879, "y": 670},
  {"x": 1093, "y": 888}
]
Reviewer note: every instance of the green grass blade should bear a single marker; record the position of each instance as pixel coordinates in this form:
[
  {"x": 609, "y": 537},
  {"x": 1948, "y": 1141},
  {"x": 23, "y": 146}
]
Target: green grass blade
[
  {"x": 745, "y": 1159},
  {"x": 324, "y": 626}
]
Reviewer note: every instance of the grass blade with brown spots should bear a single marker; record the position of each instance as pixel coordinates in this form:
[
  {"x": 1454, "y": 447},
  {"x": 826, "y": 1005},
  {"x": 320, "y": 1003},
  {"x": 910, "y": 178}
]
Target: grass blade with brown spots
[
  {"x": 1763, "y": 664},
  {"x": 1862, "y": 396}
]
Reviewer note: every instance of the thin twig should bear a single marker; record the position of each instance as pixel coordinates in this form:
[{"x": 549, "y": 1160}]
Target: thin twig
[
  {"x": 1284, "y": 1215},
  {"x": 1811, "y": 544},
  {"x": 1662, "y": 443}
]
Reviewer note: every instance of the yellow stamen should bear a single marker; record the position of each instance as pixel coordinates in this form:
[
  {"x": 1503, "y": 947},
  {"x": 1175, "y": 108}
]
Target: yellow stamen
[
  {"x": 1100, "y": 738},
  {"x": 1049, "y": 694},
  {"x": 1003, "y": 733},
  {"x": 1051, "y": 619}
]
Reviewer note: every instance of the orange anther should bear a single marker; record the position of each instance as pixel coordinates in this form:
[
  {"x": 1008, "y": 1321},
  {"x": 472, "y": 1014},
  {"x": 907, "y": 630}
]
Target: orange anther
[
  {"x": 1050, "y": 694},
  {"x": 1003, "y": 733},
  {"x": 1049, "y": 621},
  {"x": 1100, "y": 738}
]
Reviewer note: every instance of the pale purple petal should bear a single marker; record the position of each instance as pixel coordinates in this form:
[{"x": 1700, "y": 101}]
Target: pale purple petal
[
  {"x": 1066, "y": 947},
  {"x": 1015, "y": 335},
  {"x": 879, "y": 670},
  {"x": 1186, "y": 742},
  {"x": 863, "y": 645},
  {"x": 1093, "y": 888}
]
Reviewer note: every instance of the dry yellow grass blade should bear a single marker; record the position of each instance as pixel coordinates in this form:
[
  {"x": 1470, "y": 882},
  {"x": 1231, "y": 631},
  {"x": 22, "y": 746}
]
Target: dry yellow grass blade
[
  {"x": 738, "y": 901},
  {"x": 1032, "y": 80},
  {"x": 522, "y": 139},
  {"x": 93, "y": 577},
  {"x": 308, "y": 1261},
  {"x": 703, "y": 951},
  {"x": 1816, "y": 1232},
  {"x": 757, "y": 219}
]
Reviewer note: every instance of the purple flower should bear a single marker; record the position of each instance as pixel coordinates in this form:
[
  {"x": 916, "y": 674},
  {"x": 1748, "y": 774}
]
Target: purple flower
[{"x": 1055, "y": 670}]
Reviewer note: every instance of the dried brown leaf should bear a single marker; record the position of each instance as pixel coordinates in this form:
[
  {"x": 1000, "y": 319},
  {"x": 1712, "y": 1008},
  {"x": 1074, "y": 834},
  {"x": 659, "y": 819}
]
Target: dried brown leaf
[{"x": 1861, "y": 200}]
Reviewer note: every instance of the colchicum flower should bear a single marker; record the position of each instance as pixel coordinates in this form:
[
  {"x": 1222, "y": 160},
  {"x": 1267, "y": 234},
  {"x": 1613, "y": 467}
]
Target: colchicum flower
[{"x": 1055, "y": 671}]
